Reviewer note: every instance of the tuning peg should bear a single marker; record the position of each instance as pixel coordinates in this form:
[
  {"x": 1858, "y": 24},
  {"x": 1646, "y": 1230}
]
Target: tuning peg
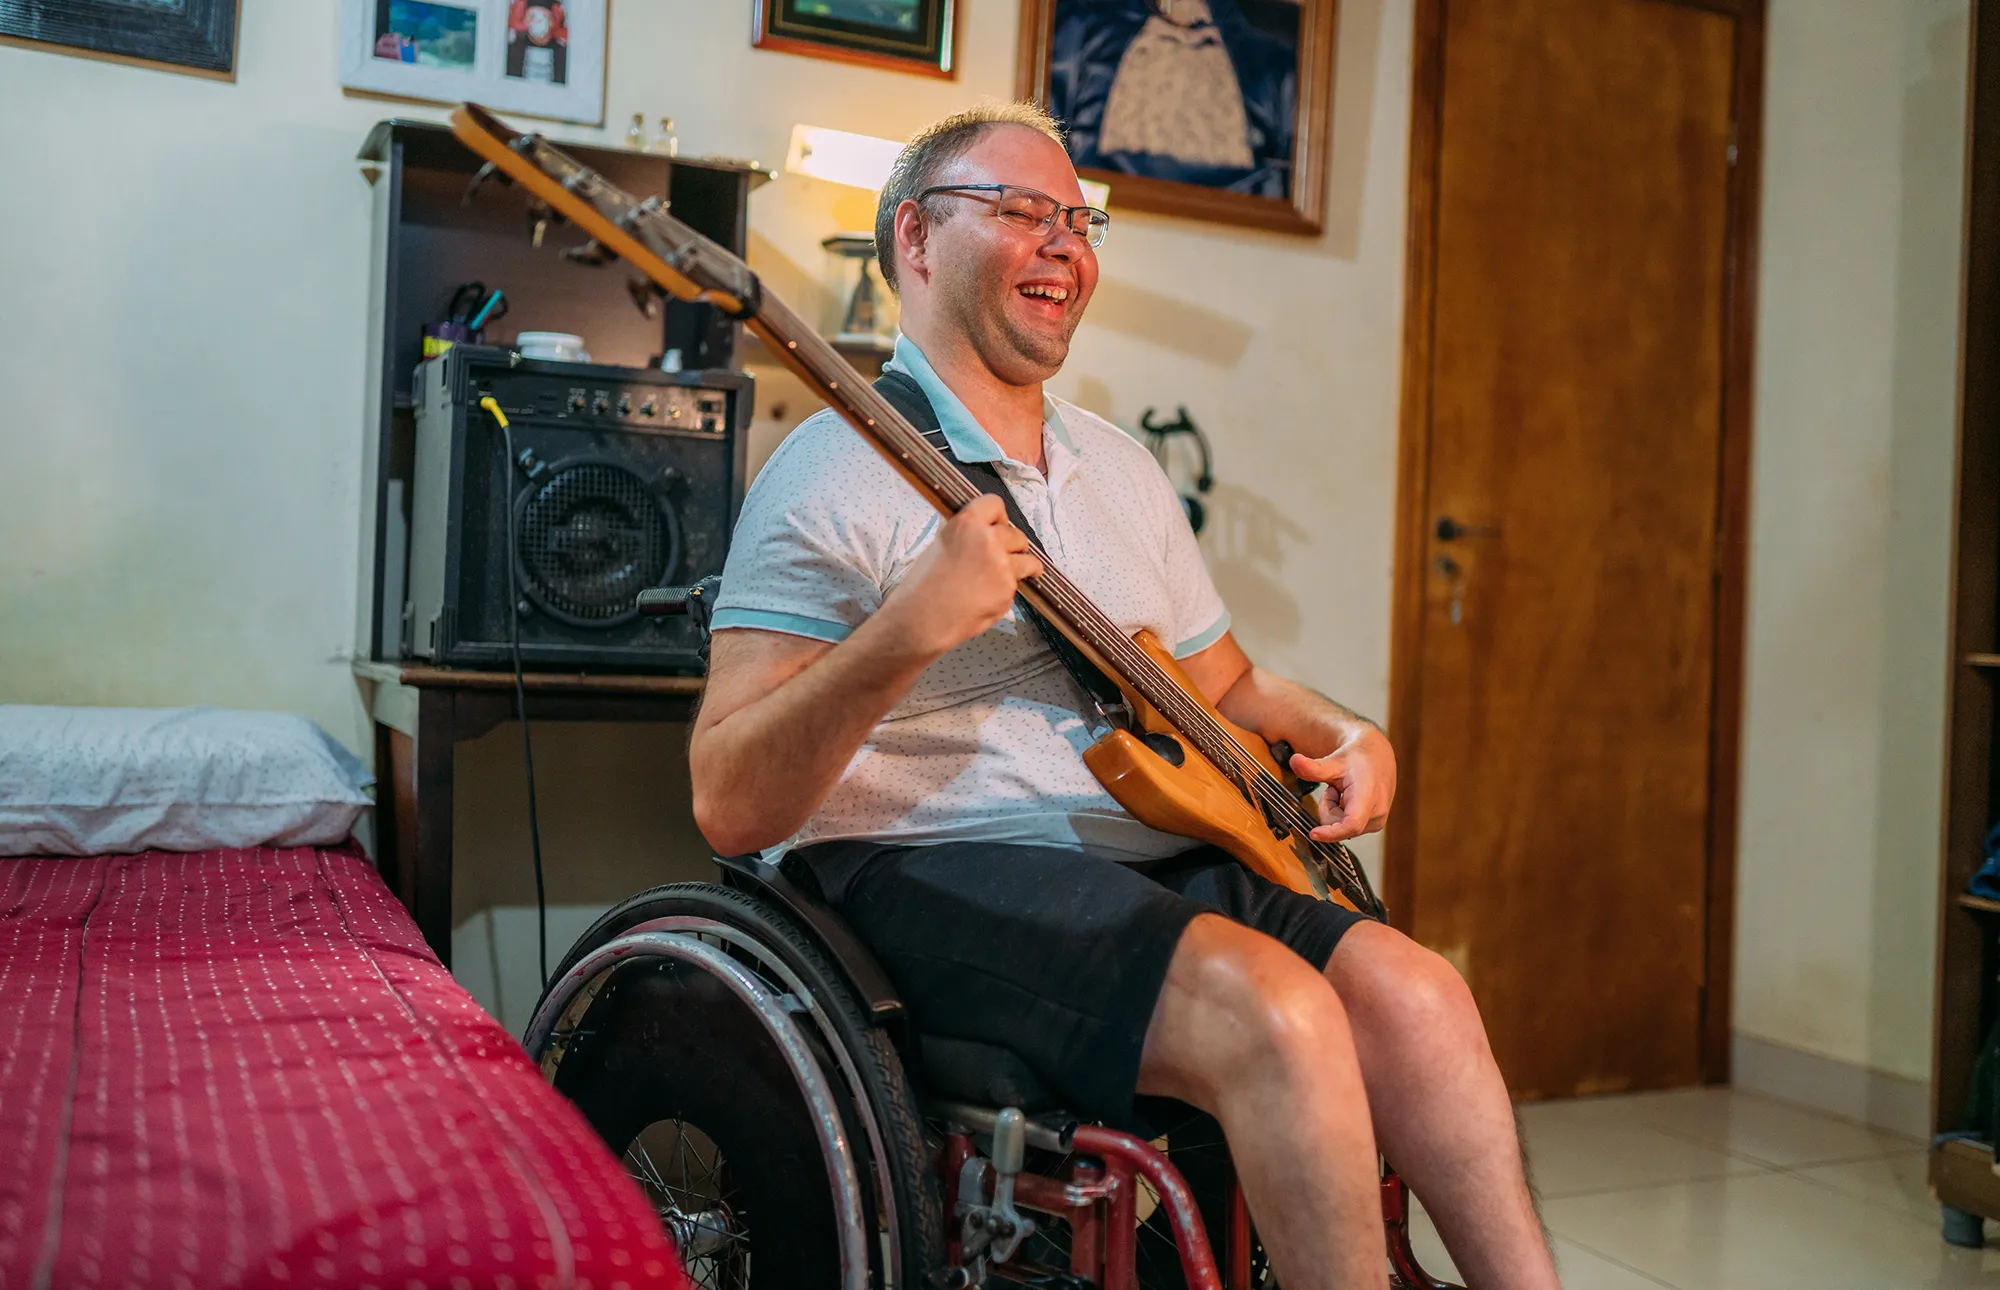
[
  {"x": 487, "y": 172},
  {"x": 540, "y": 216},
  {"x": 644, "y": 295},
  {"x": 591, "y": 253}
]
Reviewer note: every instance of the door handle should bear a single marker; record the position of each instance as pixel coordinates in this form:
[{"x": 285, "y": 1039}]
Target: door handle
[{"x": 1450, "y": 530}]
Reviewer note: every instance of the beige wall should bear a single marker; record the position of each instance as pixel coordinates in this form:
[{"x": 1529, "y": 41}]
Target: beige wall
[
  {"x": 182, "y": 306},
  {"x": 1857, "y": 351}
]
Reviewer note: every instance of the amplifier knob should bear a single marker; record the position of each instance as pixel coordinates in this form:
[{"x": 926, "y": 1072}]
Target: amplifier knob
[
  {"x": 624, "y": 405},
  {"x": 650, "y": 408}
]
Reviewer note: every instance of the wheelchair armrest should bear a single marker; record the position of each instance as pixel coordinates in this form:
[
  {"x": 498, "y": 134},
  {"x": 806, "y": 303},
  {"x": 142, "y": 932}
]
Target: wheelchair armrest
[{"x": 758, "y": 876}]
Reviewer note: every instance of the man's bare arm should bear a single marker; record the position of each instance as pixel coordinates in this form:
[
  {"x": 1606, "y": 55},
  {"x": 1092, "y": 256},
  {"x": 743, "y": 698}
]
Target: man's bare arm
[
  {"x": 782, "y": 716},
  {"x": 780, "y": 719},
  {"x": 1331, "y": 744}
]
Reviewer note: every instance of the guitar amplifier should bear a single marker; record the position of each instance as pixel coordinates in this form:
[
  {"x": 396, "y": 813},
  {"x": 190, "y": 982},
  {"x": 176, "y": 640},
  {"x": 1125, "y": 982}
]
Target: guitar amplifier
[{"x": 619, "y": 479}]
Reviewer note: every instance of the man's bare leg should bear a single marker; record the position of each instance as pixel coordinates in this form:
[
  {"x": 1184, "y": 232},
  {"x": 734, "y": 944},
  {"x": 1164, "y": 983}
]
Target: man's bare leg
[
  {"x": 1441, "y": 1108},
  {"x": 1247, "y": 1031}
]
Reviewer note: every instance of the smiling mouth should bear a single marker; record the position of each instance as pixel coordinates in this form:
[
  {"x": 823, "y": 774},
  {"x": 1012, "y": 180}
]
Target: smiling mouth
[{"x": 1044, "y": 291}]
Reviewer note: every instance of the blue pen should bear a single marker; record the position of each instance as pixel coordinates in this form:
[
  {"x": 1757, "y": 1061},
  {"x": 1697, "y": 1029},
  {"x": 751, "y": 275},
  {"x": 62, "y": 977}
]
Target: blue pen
[{"x": 479, "y": 318}]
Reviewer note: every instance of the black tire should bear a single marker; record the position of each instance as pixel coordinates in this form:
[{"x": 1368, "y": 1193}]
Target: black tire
[{"x": 664, "y": 1042}]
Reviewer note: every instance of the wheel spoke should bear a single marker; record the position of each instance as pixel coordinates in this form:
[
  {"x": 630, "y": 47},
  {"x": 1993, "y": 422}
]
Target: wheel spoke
[{"x": 695, "y": 1202}]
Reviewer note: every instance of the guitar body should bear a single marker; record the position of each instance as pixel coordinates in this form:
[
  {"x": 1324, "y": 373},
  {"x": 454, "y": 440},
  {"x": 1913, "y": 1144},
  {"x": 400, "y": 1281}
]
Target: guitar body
[{"x": 1194, "y": 799}]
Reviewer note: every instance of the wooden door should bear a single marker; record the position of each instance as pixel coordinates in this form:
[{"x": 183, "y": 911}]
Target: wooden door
[{"x": 1570, "y": 558}]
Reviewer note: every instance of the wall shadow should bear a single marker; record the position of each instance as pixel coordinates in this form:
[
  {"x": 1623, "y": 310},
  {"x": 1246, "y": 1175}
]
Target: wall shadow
[
  {"x": 1246, "y": 540},
  {"x": 1179, "y": 326}
]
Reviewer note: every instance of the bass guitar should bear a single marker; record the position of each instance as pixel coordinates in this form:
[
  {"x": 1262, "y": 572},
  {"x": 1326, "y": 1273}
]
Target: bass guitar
[{"x": 1171, "y": 759}]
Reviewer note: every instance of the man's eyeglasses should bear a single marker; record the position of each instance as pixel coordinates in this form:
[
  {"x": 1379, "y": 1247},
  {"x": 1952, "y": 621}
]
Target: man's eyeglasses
[{"x": 1034, "y": 212}]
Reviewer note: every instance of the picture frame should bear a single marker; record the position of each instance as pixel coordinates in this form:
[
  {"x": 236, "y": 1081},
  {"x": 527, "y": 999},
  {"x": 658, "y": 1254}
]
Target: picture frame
[
  {"x": 191, "y": 35},
  {"x": 916, "y": 36},
  {"x": 1241, "y": 90},
  {"x": 540, "y": 58}
]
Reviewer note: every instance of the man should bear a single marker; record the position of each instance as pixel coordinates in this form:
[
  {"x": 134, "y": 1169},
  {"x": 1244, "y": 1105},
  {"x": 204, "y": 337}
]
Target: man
[{"x": 873, "y": 702}]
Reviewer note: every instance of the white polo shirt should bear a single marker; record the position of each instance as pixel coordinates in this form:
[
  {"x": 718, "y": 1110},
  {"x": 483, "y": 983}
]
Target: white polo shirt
[{"x": 986, "y": 745}]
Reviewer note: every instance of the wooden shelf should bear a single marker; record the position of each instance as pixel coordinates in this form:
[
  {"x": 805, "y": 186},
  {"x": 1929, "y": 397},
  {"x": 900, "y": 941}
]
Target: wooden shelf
[
  {"x": 426, "y": 676},
  {"x": 1977, "y": 904},
  {"x": 1983, "y": 660}
]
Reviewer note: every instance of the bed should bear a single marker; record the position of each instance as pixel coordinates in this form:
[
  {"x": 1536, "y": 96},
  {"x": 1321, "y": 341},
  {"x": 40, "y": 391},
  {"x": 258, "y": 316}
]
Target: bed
[{"x": 242, "y": 1067}]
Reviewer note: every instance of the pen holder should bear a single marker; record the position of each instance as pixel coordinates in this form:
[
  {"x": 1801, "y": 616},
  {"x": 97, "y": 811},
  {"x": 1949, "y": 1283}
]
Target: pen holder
[{"x": 439, "y": 337}]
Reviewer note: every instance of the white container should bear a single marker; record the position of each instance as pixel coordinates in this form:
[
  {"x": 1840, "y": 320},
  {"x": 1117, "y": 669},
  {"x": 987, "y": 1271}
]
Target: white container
[{"x": 562, "y": 346}]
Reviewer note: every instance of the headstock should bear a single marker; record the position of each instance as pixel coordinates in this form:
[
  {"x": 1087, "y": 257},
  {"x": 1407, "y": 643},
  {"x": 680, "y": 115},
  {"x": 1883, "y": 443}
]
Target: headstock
[{"x": 679, "y": 260}]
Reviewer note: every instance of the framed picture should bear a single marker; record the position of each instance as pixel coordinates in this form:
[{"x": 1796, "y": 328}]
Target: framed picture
[
  {"x": 197, "y": 35},
  {"x": 901, "y": 35},
  {"x": 1213, "y": 109},
  {"x": 532, "y": 57}
]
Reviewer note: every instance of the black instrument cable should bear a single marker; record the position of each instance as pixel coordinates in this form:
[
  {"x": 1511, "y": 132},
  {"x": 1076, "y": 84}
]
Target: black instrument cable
[{"x": 492, "y": 406}]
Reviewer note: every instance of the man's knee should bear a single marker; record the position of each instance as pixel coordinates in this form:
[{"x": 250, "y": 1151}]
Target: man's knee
[
  {"x": 1387, "y": 979},
  {"x": 1239, "y": 1006}
]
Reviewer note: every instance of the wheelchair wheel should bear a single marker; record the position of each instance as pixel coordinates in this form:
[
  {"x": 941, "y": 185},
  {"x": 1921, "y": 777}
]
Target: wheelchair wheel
[
  {"x": 700, "y": 1093},
  {"x": 1192, "y": 1142},
  {"x": 1194, "y": 1145}
]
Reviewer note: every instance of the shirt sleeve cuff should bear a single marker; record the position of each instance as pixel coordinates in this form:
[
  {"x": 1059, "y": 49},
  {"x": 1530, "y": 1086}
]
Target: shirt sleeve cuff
[
  {"x": 819, "y": 629},
  {"x": 1197, "y": 643}
]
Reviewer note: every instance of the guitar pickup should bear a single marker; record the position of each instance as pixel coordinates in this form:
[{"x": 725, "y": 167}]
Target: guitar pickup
[{"x": 1279, "y": 829}]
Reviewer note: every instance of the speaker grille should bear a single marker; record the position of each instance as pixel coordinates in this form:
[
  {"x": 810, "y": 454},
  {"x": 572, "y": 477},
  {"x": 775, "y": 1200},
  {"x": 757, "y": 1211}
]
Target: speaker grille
[{"x": 592, "y": 537}]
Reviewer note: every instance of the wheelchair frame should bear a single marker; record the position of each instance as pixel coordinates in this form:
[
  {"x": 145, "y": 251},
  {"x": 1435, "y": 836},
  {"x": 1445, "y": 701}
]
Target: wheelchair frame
[{"x": 1095, "y": 1189}]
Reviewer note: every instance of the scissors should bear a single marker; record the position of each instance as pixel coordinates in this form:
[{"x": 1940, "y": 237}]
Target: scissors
[
  {"x": 465, "y": 300},
  {"x": 493, "y": 310}
]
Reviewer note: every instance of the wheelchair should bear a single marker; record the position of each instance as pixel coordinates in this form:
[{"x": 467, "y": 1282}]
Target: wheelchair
[{"x": 742, "y": 1051}]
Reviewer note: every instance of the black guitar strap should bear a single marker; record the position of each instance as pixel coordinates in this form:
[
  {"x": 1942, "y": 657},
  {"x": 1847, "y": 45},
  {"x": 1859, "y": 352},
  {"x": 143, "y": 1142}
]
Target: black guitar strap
[{"x": 908, "y": 398}]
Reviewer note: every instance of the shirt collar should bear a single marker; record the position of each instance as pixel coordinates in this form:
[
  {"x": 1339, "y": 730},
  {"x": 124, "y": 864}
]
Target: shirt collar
[{"x": 968, "y": 439}]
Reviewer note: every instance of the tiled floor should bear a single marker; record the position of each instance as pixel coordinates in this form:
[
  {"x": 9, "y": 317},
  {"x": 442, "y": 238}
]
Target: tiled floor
[{"x": 1710, "y": 1189}]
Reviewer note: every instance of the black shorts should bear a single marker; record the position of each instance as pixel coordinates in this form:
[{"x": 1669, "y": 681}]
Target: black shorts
[{"x": 1056, "y": 954}]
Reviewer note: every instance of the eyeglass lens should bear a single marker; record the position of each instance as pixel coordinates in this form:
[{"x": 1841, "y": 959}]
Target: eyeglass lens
[{"x": 1038, "y": 211}]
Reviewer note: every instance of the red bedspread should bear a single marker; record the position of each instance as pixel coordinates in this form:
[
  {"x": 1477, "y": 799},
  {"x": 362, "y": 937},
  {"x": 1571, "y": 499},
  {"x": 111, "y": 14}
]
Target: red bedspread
[{"x": 244, "y": 1068}]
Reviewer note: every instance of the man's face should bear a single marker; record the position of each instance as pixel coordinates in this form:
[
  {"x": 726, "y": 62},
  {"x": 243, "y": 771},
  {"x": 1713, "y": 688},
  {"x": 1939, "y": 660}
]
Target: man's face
[{"x": 1015, "y": 295}]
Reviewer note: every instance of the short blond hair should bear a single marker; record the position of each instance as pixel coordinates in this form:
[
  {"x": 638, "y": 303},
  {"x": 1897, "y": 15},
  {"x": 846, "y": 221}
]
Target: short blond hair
[{"x": 936, "y": 146}]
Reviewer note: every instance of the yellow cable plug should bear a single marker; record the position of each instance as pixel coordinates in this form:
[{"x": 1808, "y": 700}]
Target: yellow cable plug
[{"x": 492, "y": 405}]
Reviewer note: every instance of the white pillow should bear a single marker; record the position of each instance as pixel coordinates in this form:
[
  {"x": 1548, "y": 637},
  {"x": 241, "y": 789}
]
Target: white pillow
[{"x": 97, "y": 781}]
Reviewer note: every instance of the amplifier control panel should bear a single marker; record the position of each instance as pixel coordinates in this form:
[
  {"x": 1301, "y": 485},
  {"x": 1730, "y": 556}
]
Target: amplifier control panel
[{"x": 569, "y": 401}]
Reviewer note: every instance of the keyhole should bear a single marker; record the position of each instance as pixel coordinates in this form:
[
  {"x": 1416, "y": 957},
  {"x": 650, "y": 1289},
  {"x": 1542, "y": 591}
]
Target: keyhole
[{"x": 1454, "y": 573}]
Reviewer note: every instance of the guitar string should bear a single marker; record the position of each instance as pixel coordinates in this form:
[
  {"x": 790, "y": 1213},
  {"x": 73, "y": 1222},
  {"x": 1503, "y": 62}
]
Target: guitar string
[
  {"x": 1060, "y": 592},
  {"x": 1215, "y": 741}
]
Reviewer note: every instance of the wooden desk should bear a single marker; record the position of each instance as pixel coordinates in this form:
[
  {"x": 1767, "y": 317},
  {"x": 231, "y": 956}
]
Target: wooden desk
[{"x": 420, "y": 714}]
